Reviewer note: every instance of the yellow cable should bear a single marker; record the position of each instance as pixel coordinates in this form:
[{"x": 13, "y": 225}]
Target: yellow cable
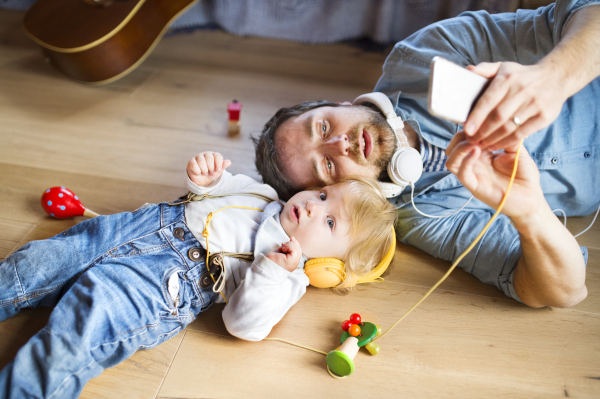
[
  {"x": 456, "y": 262},
  {"x": 334, "y": 375},
  {"x": 310, "y": 349},
  {"x": 298, "y": 345}
]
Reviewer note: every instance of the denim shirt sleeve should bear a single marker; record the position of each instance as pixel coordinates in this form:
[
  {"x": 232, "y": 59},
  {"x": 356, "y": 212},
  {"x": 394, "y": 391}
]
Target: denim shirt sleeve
[
  {"x": 469, "y": 39},
  {"x": 494, "y": 258},
  {"x": 476, "y": 36}
]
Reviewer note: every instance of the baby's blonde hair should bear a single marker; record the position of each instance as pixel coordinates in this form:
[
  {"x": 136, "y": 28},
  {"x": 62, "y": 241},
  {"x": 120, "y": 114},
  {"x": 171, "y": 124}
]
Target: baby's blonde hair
[{"x": 372, "y": 219}]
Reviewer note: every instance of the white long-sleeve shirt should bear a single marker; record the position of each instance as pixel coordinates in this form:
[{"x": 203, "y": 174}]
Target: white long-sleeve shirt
[{"x": 261, "y": 293}]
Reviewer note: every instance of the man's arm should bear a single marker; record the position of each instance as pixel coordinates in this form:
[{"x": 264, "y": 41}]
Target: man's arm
[
  {"x": 551, "y": 270},
  {"x": 536, "y": 93}
]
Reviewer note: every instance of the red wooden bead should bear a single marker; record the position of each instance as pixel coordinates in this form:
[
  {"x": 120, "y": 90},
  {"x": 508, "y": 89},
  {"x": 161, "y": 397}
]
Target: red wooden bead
[
  {"x": 346, "y": 325},
  {"x": 355, "y": 318}
]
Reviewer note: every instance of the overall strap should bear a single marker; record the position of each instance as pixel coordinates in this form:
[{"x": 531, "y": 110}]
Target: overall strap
[
  {"x": 216, "y": 259},
  {"x": 193, "y": 197},
  {"x": 216, "y": 266}
]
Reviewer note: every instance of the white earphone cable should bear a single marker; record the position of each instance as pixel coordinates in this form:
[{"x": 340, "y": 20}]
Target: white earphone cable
[
  {"x": 591, "y": 224},
  {"x": 412, "y": 200},
  {"x": 565, "y": 222},
  {"x": 563, "y": 213}
]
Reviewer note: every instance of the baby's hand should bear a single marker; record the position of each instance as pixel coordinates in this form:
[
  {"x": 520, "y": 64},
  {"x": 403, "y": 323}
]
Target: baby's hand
[
  {"x": 206, "y": 167},
  {"x": 287, "y": 255}
]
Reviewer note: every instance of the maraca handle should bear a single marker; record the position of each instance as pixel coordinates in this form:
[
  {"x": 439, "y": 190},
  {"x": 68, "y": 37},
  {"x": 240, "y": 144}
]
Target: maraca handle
[{"x": 89, "y": 213}]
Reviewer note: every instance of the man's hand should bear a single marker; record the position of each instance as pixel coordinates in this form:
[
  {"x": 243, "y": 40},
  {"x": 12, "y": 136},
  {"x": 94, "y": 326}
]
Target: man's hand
[
  {"x": 206, "y": 167},
  {"x": 519, "y": 101},
  {"x": 533, "y": 96},
  {"x": 551, "y": 270},
  {"x": 487, "y": 175},
  {"x": 287, "y": 255}
]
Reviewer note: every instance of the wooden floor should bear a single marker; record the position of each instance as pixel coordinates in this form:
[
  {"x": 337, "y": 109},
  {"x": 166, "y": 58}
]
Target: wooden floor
[{"x": 125, "y": 144}]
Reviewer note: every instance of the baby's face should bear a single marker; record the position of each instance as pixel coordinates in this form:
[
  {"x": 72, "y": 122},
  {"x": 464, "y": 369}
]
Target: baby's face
[{"x": 318, "y": 220}]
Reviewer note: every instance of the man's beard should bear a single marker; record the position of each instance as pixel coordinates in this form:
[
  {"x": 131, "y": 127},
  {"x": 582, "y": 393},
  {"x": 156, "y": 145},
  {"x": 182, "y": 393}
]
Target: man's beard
[{"x": 383, "y": 140}]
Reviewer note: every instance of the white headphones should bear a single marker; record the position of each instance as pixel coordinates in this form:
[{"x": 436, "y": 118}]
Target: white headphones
[{"x": 406, "y": 165}]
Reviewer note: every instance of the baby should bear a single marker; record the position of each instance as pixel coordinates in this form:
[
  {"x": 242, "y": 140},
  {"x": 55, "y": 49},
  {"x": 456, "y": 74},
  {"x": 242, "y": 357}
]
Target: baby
[{"x": 132, "y": 280}]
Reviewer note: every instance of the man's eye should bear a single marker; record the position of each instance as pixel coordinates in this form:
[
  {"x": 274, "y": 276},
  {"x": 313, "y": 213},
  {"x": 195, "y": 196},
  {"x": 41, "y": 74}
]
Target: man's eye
[
  {"x": 323, "y": 128},
  {"x": 328, "y": 163},
  {"x": 322, "y": 196},
  {"x": 330, "y": 222}
]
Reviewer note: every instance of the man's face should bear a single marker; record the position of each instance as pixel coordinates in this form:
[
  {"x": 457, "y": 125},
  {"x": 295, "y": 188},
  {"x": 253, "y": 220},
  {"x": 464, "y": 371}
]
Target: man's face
[{"x": 325, "y": 144}]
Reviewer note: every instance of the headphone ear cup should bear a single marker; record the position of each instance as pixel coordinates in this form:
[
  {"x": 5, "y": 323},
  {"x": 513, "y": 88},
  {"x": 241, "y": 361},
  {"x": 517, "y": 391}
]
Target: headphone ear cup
[
  {"x": 325, "y": 272},
  {"x": 406, "y": 166},
  {"x": 390, "y": 190}
]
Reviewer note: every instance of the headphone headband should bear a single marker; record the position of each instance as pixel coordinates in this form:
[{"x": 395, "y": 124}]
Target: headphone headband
[
  {"x": 385, "y": 106},
  {"x": 405, "y": 166}
]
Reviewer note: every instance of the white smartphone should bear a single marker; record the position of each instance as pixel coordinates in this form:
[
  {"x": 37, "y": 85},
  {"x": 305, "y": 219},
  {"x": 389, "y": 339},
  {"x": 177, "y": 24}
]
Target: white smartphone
[{"x": 453, "y": 90}]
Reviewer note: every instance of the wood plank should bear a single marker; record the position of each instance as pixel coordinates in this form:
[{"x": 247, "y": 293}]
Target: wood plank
[
  {"x": 343, "y": 64},
  {"x": 140, "y": 376},
  {"x": 579, "y": 378},
  {"x": 23, "y": 186},
  {"x": 453, "y": 345},
  {"x": 12, "y": 234},
  {"x": 412, "y": 266},
  {"x": 591, "y": 304},
  {"x": 196, "y": 121}
]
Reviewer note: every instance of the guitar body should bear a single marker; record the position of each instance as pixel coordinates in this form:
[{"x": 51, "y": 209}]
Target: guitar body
[{"x": 100, "y": 41}]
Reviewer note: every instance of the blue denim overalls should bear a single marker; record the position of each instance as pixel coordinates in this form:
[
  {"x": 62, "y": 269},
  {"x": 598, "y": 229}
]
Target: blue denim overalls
[{"x": 108, "y": 280}]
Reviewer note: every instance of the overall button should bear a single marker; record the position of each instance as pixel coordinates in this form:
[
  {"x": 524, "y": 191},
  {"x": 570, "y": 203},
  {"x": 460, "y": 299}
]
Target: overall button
[
  {"x": 554, "y": 160},
  {"x": 586, "y": 154},
  {"x": 205, "y": 280},
  {"x": 195, "y": 254},
  {"x": 178, "y": 232}
]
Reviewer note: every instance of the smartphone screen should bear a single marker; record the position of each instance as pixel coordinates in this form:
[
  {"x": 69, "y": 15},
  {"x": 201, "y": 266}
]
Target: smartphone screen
[{"x": 453, "y": 90}]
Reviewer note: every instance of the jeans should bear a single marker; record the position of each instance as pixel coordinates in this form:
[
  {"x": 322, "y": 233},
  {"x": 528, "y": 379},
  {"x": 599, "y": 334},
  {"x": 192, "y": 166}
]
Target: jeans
[{"x": 108, "y": 278}]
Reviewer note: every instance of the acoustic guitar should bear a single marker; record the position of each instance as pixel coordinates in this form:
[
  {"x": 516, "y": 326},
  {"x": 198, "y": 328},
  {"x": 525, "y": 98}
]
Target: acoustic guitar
[{"x": 100, "y": 41}]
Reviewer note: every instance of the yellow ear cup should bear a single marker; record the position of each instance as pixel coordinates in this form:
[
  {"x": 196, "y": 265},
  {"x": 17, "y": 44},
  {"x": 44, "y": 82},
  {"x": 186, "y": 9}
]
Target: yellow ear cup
[{"x": 325, "y": 272}]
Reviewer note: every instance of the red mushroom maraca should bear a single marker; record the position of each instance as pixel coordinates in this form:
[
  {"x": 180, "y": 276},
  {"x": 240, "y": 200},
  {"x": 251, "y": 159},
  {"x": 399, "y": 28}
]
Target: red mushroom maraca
[{"x": 62, "y": 203}]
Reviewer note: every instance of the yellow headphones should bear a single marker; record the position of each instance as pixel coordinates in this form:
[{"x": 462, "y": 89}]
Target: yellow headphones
[
  {"x": 321, "y": 272},
  {"x": 329, "y": 272}
]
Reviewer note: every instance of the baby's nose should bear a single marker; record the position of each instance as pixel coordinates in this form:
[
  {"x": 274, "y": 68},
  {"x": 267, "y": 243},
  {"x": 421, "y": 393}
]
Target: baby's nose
[{"x": 312, "y": 207}]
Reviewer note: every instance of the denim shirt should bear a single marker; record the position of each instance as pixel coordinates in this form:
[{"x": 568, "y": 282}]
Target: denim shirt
[{"x": 567, "y": 152}]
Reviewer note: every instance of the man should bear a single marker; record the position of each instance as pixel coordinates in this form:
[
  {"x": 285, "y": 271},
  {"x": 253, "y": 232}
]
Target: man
[{"x": 545, "y": 65}]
